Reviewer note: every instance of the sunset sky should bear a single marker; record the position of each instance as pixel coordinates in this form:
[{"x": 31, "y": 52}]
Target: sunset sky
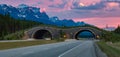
[{"x": 95, "y": 12}]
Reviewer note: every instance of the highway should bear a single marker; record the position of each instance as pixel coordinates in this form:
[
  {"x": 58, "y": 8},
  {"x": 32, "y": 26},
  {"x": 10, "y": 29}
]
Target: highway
[{"x": 63, "y": 49}]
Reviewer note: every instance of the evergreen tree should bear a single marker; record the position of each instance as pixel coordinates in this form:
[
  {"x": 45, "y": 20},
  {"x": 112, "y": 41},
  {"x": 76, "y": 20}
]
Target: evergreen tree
[
  {"x": 10, "y": 25},
  {"x": 117, "y": 30}
]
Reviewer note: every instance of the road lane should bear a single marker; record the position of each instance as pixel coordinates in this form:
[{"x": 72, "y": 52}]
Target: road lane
[
  {"x": 63, "y": 49},
  {"x": 46, "y": 50},
  {"x": 53, "y": 52},
  {"x": 86, "y": 49}
]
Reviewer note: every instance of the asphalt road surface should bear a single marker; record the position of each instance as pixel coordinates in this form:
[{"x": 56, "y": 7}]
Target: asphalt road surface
[{"x": 63, "y": 49}]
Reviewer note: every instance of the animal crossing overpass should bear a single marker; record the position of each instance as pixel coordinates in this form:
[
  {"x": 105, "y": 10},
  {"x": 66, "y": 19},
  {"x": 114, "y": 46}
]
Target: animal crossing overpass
[{"x": 69, "y": 33}]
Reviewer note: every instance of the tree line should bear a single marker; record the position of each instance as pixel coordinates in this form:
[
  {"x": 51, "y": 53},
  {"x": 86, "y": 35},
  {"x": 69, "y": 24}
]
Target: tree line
[
  {"x": 117, "y": 30},
  {"x": 113, "y": 36},
  {"x": 10, "y": 25}
]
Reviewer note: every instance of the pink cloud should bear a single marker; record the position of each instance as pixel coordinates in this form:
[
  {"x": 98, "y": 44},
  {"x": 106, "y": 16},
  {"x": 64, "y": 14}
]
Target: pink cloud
[
  {"x": 17, "y": 2},
  {"x": 96, "y": 17},
  {"x": 89, "y": 2},
  {"x": 101, "y": 22}
]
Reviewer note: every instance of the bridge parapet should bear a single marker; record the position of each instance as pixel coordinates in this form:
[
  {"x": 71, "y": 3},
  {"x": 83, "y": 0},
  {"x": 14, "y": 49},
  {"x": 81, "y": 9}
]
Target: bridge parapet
[{"x": 56, "y": 32}]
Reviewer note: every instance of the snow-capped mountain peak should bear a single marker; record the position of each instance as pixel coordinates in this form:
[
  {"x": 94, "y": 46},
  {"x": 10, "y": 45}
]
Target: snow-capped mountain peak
[
  {"x": 22, "y": 6},
  {"x": 25, "y": 12}
]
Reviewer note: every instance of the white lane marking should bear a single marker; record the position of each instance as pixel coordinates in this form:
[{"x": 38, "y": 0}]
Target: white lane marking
[
  {"x": 70, "y": 50},
  {"x": 27, "y": 53}
]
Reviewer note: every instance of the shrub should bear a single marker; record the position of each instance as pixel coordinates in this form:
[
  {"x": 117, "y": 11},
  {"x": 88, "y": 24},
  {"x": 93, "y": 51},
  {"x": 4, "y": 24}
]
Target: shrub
[
  {"x": 110, "y": 36},
  {"x": 14, "y": 36}
]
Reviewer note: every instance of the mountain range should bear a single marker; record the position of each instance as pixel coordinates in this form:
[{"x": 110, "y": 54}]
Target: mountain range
[
  {"x": 109, "y": 28},
  {"x": 25, "y": 12}
]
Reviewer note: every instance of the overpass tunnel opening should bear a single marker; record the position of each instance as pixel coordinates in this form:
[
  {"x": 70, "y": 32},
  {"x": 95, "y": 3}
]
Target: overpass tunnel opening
[
  {"x": 85, "y": 34},
  {"x": 42, "y": 34}
]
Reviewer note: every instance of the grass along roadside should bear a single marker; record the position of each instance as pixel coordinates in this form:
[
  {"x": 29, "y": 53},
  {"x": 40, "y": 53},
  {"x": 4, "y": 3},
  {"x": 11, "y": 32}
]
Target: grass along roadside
[
  {"x": 116, "y": 45},
  {"x": 109, "y": 49},
  {"x": 10, "y": 45}
]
